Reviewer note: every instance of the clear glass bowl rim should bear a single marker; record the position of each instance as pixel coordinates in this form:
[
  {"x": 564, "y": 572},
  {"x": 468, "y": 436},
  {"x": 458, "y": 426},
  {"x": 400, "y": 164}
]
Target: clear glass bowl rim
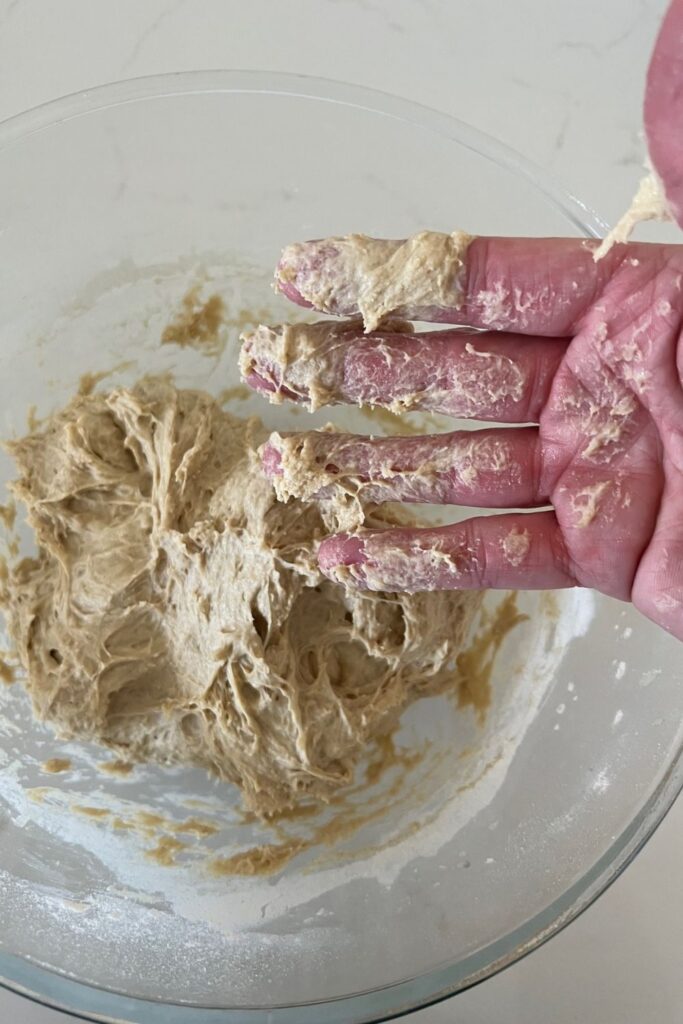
[{"x": 42, "y": 984}]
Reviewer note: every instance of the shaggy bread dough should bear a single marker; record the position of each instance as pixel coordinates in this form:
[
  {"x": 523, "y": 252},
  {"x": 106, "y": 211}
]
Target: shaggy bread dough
[{"x": 175, "y": 610}]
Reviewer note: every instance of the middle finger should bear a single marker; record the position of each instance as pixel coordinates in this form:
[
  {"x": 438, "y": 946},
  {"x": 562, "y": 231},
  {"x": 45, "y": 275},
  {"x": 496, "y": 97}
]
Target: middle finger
[{"x": 500, "y": 377}]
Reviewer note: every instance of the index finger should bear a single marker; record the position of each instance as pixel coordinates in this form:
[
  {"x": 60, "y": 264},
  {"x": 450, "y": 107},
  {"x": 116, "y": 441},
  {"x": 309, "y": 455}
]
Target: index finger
[{"x": 540, "y": 286}]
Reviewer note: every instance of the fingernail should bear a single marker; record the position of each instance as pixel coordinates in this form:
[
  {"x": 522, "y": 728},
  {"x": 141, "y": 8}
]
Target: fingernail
[
  {"x": 271, "y": 459},
  {"x": 342, "y": 550},
  {"x": 258, "y": 383},
  {"x": 292, "y": 293},
  {"x": 287, "y": 273}
]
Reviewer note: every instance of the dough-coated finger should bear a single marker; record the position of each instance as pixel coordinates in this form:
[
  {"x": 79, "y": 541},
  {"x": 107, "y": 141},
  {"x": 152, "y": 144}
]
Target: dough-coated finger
[
  {"x": 515, "y": 551},
  {"x": 484, "y": 468},
  {"x": 540, "y": 286},
  {"x": 501, "y": 377}
]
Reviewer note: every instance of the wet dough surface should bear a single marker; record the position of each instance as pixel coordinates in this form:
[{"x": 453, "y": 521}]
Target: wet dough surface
[{"x": 175, "y": 611}]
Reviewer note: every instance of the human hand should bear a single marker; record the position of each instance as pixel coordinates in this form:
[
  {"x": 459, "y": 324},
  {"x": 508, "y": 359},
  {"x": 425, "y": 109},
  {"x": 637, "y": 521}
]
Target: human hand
[{"x": 589, "y": 351}]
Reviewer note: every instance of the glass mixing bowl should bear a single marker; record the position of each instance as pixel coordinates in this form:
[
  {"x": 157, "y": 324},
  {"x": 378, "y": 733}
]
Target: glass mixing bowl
[{"x": 114, "y": 203}]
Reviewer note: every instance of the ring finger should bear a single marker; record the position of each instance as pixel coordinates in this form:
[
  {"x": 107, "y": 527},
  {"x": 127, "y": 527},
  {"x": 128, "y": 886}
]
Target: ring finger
[{"x": 483, "y": 468}]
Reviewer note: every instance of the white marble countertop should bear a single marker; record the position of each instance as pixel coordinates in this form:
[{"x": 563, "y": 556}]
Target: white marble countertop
[{"x": 560, "y": 82}]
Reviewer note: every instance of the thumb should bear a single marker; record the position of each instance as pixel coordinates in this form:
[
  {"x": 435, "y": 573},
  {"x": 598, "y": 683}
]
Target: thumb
[{"x": 663, "y": 108}]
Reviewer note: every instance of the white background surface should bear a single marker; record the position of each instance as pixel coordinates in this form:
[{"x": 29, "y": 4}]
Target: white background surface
[{"x": 562, "y": 82}]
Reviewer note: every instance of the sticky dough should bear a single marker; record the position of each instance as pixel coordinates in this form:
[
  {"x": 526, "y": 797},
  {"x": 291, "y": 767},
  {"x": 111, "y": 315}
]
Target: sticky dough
[
  {"x": 175, "y": 611},
  {"x": 649, "y": 203}
]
